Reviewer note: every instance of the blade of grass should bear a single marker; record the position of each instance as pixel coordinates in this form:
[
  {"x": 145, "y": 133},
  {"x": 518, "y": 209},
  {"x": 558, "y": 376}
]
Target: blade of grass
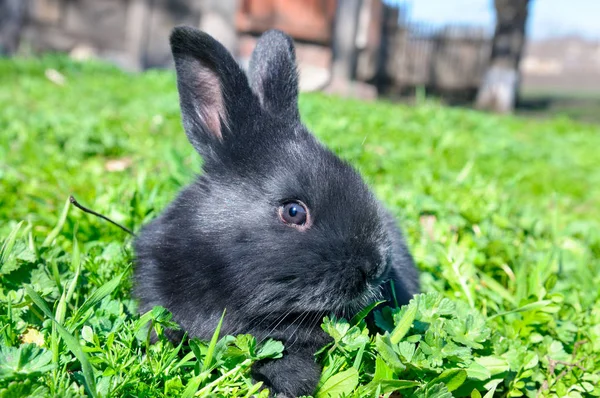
[
  {"x": 60, "y": 317},
  {"x": 59, "y": 226},
  {"x": 364, "y": 312},
  {"x": 213, "y": 343},
  {"x": 9, "y": 243},
  {"x": 76, "y": 265},
  {"x": 71, "y": 342},
  {"x": 192, "y": 386},
  {"x": 171, "y": 358},
  {"x": 97, "y": 296},
  {"x": 405, "y": 323},
  {"x": 31, "y": 241},
  {"x": 253, "y": 389},
  {"x": 64, "y": 299},
  {"x": 463, "y": 282},
  {"x": 497, "y": 288},
  {"x": 224, "y": 376},
  {"x": 56, "y": 275},
  {"x": 527, "y": 307},
  {"x": 359, "y": 356},
  {"x": 185, "y": 360}
]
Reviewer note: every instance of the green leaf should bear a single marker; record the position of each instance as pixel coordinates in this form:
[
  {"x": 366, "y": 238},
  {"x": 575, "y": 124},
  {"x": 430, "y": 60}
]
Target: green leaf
[
  {"x": 253, "y": 390},
  {"x": 388, "y": 386},
  {"x": 87, "y": 334},
  {"x": 384, "y": 319},
  {"x": 494, "y": 364},
  {"x": 385, "y": 349},
  {"x": 28, "y": 360},
  {"x": 335, "y": 328},
  {"x": 334, "y": 364},
  {"x": 403, "y": 326},
  {"x": 475, "y": 394},
  {"x": 246, "y": 344},
  {"x": 491, "y": 386},
  {"x": 551, "y": 282},
  {"x": 382, "y": 370},
  {"x": 61, "y": 308},
  {"x": 406, "y": 350},
  {"x": 270, "y": 349},
  {"x": 341, "y": 383},
  {"x": 470, "y": 330},
  {"x": 433, "y": 305},
  {"x": 452, "y": 378},
  {"x": 354, "y": 339},
  {"x": 477, "y": 371},
  {"x": 531, "y": 360},
  {"x": 364, "y": 312},
  {"x": 434, "y": 391}
]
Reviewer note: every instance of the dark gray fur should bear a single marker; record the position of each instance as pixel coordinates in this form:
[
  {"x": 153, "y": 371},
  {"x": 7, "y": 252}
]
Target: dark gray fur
[{"x": 221, "y": 244}]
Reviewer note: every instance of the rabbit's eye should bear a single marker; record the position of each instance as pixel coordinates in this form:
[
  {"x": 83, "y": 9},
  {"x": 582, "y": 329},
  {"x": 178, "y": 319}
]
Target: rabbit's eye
[{"x": 294, "y": 214}]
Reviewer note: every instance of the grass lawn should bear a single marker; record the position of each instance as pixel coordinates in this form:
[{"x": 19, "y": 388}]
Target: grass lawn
[
  {"x": 577, "y": 105},
  {"x": 502, "y": 215}
]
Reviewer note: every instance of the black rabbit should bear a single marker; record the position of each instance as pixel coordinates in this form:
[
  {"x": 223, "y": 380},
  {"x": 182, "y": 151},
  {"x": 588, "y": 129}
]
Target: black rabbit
[{"x": 277, "y": 229}]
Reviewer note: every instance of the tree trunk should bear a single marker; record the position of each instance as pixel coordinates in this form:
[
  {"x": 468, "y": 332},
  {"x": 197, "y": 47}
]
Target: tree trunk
[
  {"x": 498, "y": 90},
  {"x": 343, "y": 43},
  {"x": 344, "y": 39},
  {"x": 218, "y": 19},
  {"x": 12, "y": 15}
]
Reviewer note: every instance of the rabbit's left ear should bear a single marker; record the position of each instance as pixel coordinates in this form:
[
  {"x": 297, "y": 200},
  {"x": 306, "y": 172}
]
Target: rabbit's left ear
[
  {"x": 216, "y": 99},
  {"x": 273, "y": 74}
]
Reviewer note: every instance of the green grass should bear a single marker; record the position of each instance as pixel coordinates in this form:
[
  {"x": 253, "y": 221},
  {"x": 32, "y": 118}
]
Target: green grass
[
  {"x": 502, "y": 215},
  {"x": 577, "y": 105}
]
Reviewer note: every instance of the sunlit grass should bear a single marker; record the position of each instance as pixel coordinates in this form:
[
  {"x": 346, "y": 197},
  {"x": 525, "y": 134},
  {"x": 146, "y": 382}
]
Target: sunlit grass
[{"x": 501, "y": 213}]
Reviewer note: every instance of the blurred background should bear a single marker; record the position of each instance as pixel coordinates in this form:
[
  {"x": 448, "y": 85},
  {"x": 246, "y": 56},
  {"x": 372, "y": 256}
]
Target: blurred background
[{"x": 532, "y": 56}]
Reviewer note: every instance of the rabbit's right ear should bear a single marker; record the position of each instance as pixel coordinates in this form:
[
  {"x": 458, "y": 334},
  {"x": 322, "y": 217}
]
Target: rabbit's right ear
[
  {"x": 273, "y": 74},
  {"x": 214, "y": 93}
]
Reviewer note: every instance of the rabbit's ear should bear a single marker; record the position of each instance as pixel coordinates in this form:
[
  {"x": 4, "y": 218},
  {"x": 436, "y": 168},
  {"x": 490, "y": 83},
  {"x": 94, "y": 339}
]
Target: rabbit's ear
[
  {"x": 273, "y": 74},
  {"x": 214, "y": 93}
]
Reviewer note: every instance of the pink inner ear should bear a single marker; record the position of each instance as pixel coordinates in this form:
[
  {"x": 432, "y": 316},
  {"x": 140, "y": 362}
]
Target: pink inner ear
[{"x": 210, "y": 104}]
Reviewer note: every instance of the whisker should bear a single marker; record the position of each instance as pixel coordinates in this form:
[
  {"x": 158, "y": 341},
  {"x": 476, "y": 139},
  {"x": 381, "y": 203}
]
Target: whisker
[
  {"x": 248, "y": 323},
  {"x": 298, "y": 318},
  {"x": 299, "y": 324},
  {"x": 314, "y": 321},
  {"x": 297, "y": 328},
  {"x": 275, "y": 327}
]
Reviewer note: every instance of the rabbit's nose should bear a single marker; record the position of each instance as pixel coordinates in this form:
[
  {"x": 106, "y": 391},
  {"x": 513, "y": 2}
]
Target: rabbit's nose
[
  {"x": 371, "y": 270},
  {"x": 374, "y": 267}
]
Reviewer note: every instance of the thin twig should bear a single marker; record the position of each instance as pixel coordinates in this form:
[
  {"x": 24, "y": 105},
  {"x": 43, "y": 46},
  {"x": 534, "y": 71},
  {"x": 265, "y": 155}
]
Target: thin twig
[
  {"x": 568, "y": 366},
  {"x": 85, "y": 209}
]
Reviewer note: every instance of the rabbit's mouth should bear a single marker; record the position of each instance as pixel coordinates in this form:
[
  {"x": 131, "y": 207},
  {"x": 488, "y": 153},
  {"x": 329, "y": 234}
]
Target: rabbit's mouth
[{"x": 371, "y": 293}]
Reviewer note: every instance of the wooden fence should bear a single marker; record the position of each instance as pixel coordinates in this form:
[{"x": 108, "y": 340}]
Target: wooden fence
[
  {"x": 449, "y": 61},
  {"x": 391, "y": 52}
]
